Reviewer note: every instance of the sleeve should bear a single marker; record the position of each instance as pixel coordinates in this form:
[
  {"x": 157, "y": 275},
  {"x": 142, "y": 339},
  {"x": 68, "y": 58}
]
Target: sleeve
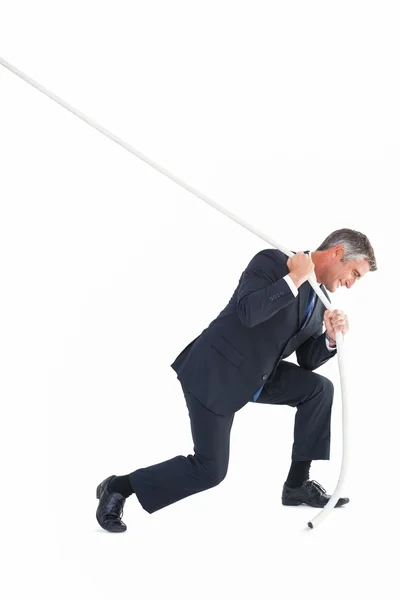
[
  {"x": 313, "y": 353},
  {"x": 262, "y": 291},
  {"x": 290, "y": 283},
  {"x": 328, "y": 346}
]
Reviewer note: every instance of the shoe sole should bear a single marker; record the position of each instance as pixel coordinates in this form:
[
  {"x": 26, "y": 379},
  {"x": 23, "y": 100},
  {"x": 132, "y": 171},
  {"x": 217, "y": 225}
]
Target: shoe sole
[
  {"x": 291, "y": 502},
  {"x": 297, "y": 503}
]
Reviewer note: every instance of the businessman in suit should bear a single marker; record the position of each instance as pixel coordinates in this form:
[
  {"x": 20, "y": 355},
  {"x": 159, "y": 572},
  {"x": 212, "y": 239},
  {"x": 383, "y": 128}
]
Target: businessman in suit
[{"x": 238, "y": 359}]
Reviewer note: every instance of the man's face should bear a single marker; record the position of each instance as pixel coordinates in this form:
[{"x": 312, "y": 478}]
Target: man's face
[{"x": 346, "y": 273}]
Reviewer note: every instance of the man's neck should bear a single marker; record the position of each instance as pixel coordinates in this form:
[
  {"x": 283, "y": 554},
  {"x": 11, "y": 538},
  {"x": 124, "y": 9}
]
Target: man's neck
[{"x": 317, "y": 259}]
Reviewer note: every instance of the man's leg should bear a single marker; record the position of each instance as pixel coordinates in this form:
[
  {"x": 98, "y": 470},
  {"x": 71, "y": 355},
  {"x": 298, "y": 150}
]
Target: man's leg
[
  {"x": 164, "y": 483},
  {"x": 312, "y": 395}
]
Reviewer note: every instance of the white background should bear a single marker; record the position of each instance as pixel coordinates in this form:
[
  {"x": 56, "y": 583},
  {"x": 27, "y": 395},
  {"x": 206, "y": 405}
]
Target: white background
[{"x": 287, "y": 114}]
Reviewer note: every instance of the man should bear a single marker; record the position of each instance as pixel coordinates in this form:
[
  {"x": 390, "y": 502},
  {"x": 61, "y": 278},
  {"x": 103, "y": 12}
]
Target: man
[{"x": 238, "y": 359}]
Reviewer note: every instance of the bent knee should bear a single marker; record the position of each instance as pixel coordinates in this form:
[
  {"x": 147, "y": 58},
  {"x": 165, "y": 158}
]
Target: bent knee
[
  {"x": 326, "y": 386},
  {"x": 215, "y": 474}
]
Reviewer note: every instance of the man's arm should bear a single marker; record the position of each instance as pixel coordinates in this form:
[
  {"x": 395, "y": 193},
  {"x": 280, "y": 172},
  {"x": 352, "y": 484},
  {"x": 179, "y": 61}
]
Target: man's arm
[
  {"x": 262, "y": 291},
  {"x": 315, "y": 351}
]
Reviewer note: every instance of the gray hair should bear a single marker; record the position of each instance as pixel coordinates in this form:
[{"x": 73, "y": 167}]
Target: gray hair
[{"x": 356, "y": 245}]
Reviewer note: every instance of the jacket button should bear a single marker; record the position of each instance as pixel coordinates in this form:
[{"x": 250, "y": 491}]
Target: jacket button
[{"x": 264, "y": 377}]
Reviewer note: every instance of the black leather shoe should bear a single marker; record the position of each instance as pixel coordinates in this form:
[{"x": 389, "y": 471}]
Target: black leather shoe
[
  {"x": 110, "y": 509},
  {"x": 311, "y": 493}
]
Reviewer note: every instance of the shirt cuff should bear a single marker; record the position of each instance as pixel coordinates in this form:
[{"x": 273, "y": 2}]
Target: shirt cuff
[
  {"x": 290, "y": 283},
  {"x": 328, "y": 346}
]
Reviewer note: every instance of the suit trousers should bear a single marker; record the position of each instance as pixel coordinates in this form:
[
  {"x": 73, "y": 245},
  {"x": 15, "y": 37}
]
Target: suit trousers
[{"x": 167, "y": 482}]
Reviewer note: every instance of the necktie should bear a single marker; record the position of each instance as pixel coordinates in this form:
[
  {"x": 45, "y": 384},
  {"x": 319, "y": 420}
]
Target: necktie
[{"x": 310, "y": 305}]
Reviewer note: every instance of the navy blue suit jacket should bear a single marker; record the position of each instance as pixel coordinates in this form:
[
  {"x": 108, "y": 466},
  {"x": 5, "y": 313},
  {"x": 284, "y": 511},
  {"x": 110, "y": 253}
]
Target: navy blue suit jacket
[{"x": 233, "y": 357}]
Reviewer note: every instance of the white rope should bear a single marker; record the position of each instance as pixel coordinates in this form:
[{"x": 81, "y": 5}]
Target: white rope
[{"x": 312, "y": 281}]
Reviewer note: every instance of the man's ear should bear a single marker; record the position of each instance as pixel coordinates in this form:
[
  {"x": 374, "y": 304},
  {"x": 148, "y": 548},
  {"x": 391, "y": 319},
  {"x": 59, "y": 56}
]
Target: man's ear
[{"x": 340, "y": 252}]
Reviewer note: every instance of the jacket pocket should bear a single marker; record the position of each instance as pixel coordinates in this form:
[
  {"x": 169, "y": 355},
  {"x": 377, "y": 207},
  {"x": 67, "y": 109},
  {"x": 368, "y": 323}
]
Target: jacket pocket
[{"x": 228, "y": 351}]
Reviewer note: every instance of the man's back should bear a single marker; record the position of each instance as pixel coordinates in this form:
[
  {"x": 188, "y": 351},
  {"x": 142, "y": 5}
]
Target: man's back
[{"x": 234, "y": 356}]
